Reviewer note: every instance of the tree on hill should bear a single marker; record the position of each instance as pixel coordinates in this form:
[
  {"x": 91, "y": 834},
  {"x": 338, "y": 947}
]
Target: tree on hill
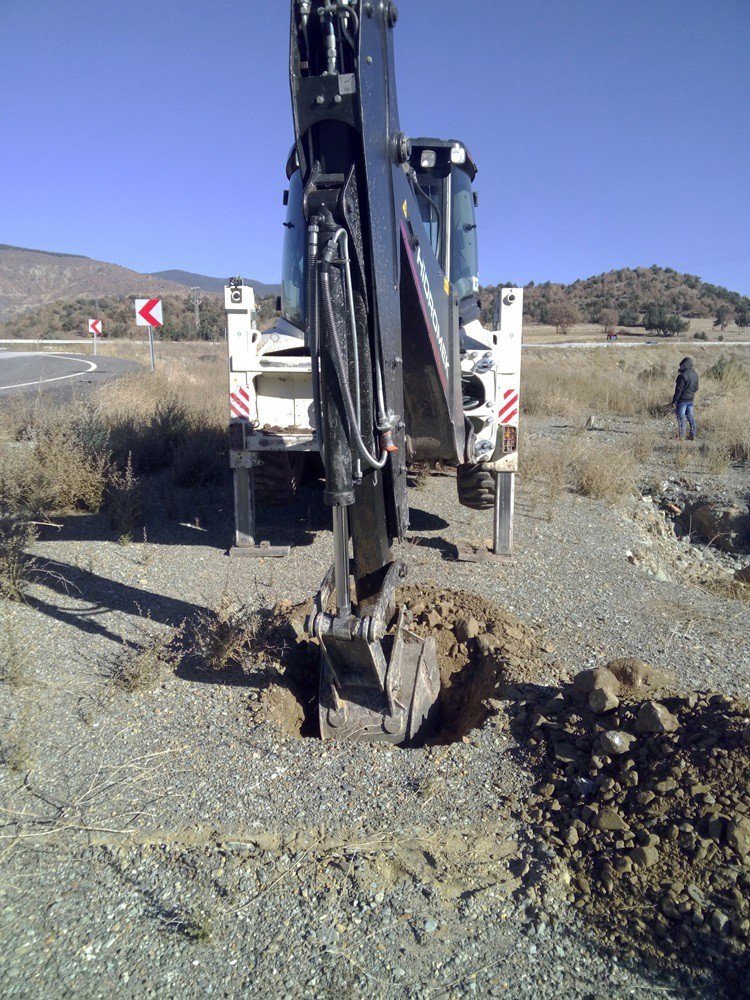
[
  {"x": 562, "y": 315},
  {"x": 659, "y": 319},
  {"x": 629, "y": 317},
  {"x": 742, "y": 317},
  {"x": 723, "y": 315},
  {"x": 608, "y": 319}
]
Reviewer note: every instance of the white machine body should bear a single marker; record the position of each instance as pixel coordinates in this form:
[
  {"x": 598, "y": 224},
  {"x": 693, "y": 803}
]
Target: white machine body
[
  {"x": 270, "y": 385},
  {"x": 492, "y": 361}
]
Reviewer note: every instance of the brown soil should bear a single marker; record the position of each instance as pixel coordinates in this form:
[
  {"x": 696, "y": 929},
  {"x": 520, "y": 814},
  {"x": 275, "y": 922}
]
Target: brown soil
[
  {"x": 480, "y": 649},
  {"x": 655, "y": 840}
]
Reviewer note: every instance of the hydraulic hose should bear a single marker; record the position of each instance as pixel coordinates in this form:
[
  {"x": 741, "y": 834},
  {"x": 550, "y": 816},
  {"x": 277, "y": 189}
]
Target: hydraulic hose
[
  {"x": 313, "y": 313},
  {"x": 339, "y": 363}
]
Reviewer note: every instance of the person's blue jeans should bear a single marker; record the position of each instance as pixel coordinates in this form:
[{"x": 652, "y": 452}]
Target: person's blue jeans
[{"x": 685, "y": 416}]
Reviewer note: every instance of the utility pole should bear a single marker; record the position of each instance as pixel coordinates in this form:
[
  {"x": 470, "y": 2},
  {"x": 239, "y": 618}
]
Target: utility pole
[{"x": 196, "y": 302}]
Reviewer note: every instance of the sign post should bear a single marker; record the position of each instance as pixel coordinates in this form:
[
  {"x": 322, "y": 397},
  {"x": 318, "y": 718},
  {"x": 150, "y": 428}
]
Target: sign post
[
  {"x": 95, "y": 329},
  {"x": 148, "y": 312}
]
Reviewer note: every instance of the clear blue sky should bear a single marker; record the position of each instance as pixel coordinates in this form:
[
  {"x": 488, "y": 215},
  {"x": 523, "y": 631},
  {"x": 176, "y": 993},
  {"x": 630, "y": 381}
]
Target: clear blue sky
[{"x": 153, "y": 133}]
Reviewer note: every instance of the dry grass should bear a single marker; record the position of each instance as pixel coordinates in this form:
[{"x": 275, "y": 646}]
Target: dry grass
[
  {"x": 546, "y": 468},
  {"x": 15, "y": 655},
  {"x": 143, "y": 667},
  {"x": 605, "y": 472},
  {"x": 83, "y": 457},
  {"x": 600, "y": 471},
  {"x": 15, "y": 563},
  {"x": 576, "y": 386},
  {"x": 642, "y": 443}
]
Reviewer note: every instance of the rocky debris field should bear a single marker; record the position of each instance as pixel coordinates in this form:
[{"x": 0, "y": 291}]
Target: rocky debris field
[{"x": 174, "y": 830}]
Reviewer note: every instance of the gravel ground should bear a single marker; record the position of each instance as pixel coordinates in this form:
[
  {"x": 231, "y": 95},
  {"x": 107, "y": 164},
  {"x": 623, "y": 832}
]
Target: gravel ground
[{"x": 169, "y": 842}]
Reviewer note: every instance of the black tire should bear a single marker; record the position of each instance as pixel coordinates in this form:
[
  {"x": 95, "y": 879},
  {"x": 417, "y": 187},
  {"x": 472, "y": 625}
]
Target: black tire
[
  {"x": 476, "y": 486},
  {"x": 278, "y": 478}
]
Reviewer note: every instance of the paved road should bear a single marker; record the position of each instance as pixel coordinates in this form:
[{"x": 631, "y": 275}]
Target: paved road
[
  {"x": 636, "y": 343},
  {"x": 58, "y": 375}
]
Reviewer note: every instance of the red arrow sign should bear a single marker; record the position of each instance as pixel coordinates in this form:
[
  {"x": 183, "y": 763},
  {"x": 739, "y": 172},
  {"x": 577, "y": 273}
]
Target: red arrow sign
[
  {"x": 148, "y": 312},
  {"x": 95, "y": 327}
]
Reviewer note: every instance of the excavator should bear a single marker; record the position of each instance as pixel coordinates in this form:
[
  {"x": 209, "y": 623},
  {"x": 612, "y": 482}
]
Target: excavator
[{"x": 378, "y": 359}]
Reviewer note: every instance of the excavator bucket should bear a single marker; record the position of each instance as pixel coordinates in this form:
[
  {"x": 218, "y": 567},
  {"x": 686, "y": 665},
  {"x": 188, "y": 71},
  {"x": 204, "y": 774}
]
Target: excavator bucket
[{"x": 369, "y": 697}]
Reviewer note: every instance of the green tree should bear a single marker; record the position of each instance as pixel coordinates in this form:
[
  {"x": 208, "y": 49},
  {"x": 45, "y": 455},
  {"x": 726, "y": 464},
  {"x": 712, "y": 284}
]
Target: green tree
[
  {"x": 742, "y": 316},
  {"x": 723, "y": 315},
  {"x": 659, "y": 319},
  {"x": 629, "y": 316}
]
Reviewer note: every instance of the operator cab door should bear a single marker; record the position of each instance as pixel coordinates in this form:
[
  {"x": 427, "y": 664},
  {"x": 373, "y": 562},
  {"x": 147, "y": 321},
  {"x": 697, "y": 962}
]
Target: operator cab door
[{"x": 444, "y": 173}]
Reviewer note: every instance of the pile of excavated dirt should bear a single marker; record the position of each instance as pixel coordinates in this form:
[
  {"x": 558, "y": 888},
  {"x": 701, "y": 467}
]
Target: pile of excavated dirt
[
  {"x": 646, "y": 801},
  {"x": 480, "y": 649}
]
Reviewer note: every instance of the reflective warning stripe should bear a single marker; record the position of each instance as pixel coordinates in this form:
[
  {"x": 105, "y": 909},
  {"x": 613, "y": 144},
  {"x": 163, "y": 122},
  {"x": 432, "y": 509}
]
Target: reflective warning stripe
[
  {"x": 239, "y": 403},
  {"x": 509, "y": 409}
]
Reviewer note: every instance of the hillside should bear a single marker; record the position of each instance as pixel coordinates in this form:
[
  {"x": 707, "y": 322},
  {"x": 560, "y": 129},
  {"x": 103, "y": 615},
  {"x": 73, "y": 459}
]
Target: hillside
[
  {"x": 627, "y": 292},
  {"x": 30, "y": 277},
  {"x": 208, "y": 284},
  {"x": 65, "y": 319}
]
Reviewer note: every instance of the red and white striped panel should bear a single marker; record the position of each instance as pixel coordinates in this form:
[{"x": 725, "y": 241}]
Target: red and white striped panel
[
  {"x": 239, "y": 403},
  {"x": 509, "y": 408}
]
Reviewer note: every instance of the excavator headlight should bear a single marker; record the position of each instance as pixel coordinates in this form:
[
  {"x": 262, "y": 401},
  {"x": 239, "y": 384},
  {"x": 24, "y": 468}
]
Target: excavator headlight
[
  {"x": 428, "y": 158},
  {"x": 458, "y": 154}
]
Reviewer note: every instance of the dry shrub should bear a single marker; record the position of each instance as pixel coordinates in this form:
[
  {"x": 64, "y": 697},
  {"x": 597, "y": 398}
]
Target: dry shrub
[
  {"x": 642, "y": 444},
  {"x": 171, "y": 420},
  {"x": 726, "y": 423},
  {"x": 604, "y": 472},
  {"x": 15, "y": 564},
  {"x": 125, "y": 502},
  {"x": 58, "y": 462},
  {"x": 15, "y": 655},
  {"x": 142, "y": 667},
  {"x": 221, "y": 636},
  {"x": 545, "y": 465}
]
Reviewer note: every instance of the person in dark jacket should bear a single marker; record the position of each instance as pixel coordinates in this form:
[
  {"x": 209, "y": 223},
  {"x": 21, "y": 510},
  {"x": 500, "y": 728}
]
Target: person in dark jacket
[{"x": 685, "y": 389}]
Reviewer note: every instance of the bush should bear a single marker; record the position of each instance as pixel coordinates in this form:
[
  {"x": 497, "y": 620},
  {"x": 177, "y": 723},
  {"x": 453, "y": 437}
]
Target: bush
[
  {"x": 15, "y": 564},
  {"x": 700, "y": 335},
  {"x": 604, "y": 472},
  {"x": 729, "y": 371}
]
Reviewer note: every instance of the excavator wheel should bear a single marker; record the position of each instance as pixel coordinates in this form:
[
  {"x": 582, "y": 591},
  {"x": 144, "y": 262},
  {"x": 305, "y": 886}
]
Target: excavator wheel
[
  {"x": 278, "y": 478},
  {"x": 476, "y": 486}
]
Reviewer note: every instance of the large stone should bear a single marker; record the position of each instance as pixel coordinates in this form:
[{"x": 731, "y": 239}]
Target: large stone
[
  {"x": 644, "y": 857},
  {"x": 466, "y": 628},
  {"x": 596, "y": 679},
  {"x": 603, "y": 700},
  {"x": 615, "y": 742},
  {"x": 609, "y": 819},
  {"x": 653, "y": 717},
  {"x": 738, "y": 835}
]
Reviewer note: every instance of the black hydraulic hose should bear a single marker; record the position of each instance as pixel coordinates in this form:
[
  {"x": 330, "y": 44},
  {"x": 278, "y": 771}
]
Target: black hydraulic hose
[
  {"x": 314, "y": 326},
  {"x": 339, "y": 363}
]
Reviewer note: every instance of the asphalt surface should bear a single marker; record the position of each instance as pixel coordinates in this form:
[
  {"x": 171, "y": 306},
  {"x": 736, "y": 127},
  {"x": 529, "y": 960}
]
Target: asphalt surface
[{"x": 59, "y": 376}]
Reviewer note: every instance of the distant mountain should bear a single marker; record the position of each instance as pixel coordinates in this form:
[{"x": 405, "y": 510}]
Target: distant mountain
[
  {"x": 207, "y": 284},
  {"x": 29, "y": 278}
]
